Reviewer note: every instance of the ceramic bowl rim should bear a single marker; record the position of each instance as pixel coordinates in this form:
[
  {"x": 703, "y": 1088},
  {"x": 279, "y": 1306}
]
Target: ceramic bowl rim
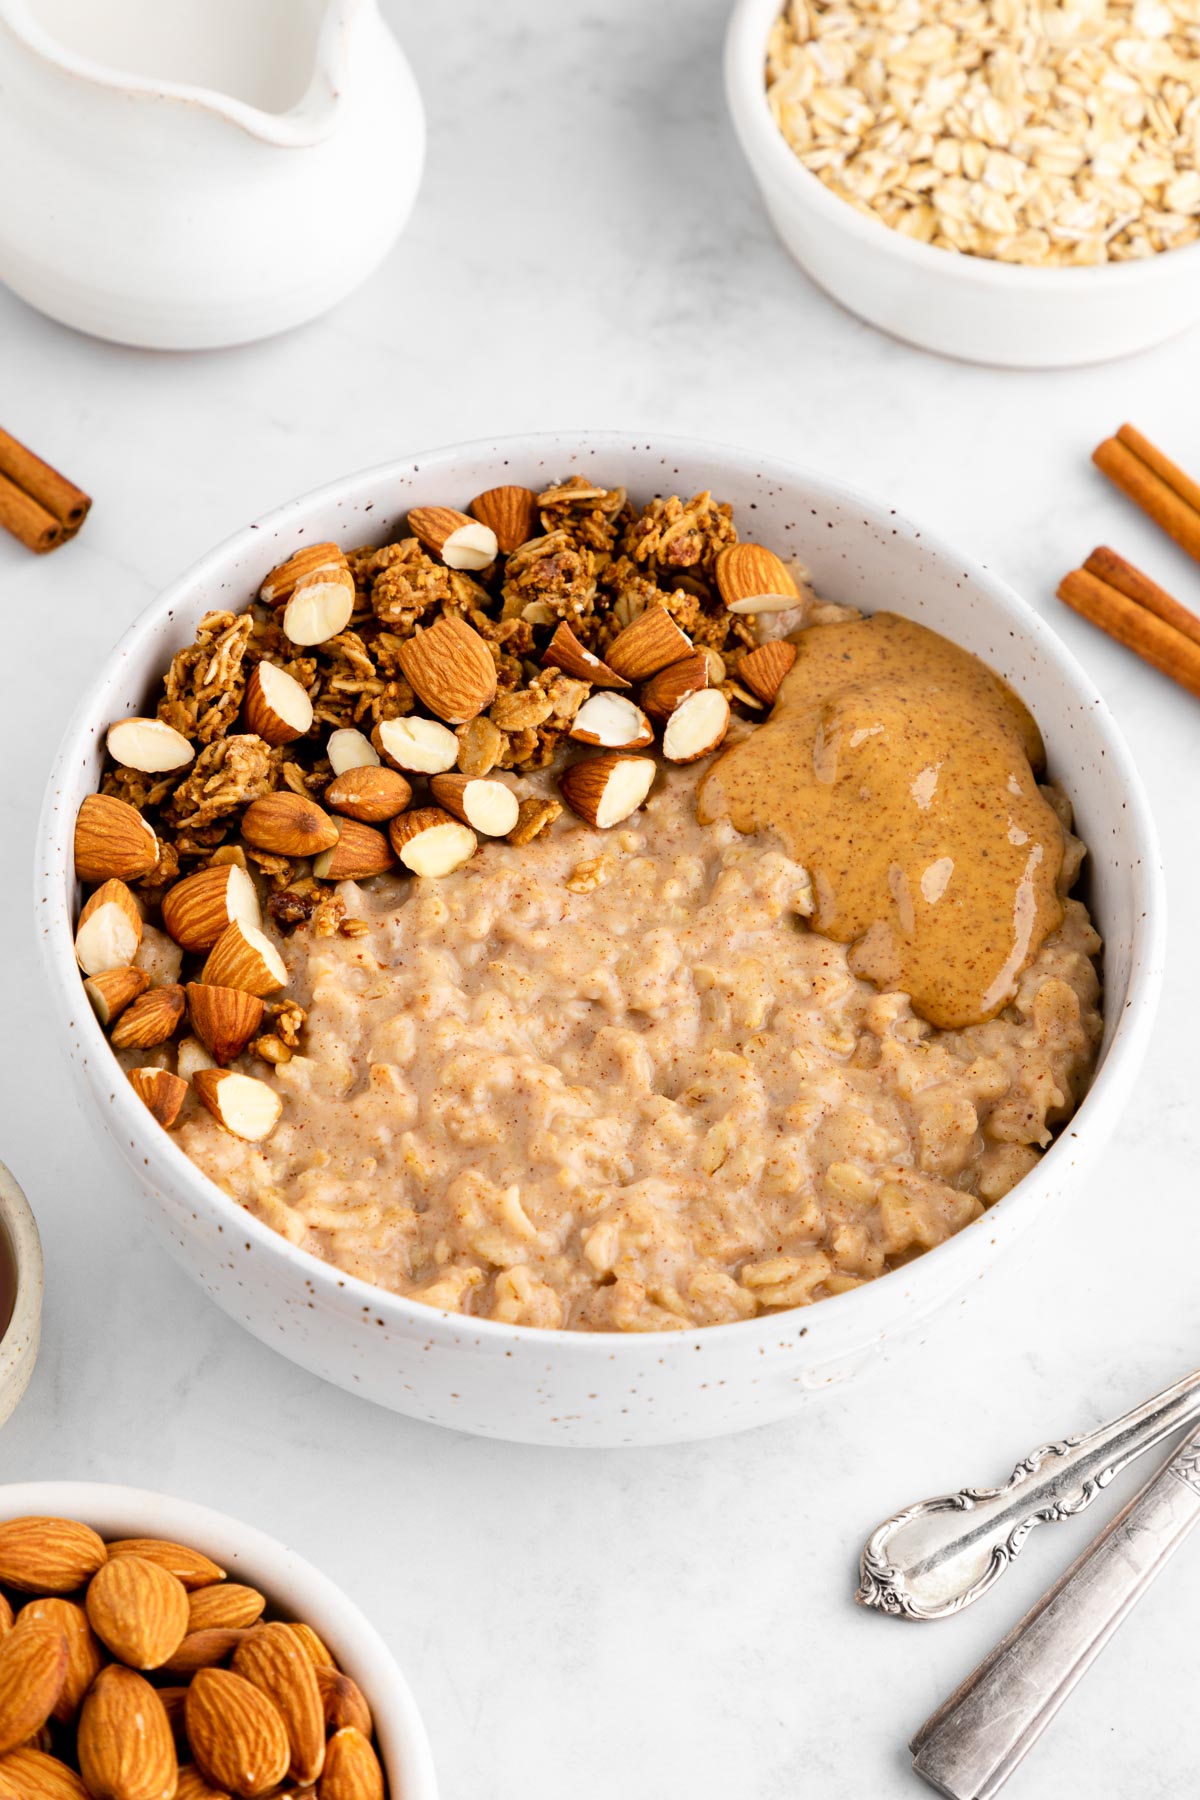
[
  {"x": 20, "y": 1228},
  {"x": 870, "y": 1304},
  {"x": 771, "y": 157},
  {"x": 103, "y": 1505}
]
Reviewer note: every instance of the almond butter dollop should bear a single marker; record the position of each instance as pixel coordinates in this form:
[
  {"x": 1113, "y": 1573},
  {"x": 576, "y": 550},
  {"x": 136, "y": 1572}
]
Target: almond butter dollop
[{"x": 903, "y": 774}]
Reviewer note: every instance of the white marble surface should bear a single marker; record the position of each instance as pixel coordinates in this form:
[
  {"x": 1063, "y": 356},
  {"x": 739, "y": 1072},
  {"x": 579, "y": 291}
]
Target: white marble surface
[{"x": 588, "y": 248}]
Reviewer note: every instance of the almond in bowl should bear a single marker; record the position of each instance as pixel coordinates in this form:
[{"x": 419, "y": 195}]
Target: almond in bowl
[{"x": 602, "y": 933}]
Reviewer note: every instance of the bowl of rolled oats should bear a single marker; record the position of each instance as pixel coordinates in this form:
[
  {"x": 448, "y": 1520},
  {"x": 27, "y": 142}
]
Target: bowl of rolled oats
[
  {"x": 998, "y": 180},
  {"x": 426, "y": 904}
]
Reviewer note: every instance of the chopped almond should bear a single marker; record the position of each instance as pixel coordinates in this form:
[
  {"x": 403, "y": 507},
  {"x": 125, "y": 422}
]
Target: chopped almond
[
  {"x": 612, "y": 721},
  {"x": 430, "y": 842},
  {"x": 489, "y": 807},
  {"x": 246, "y": 1107},
  {"x": 603, "y": 790},
  {"x": 109, "y": 930}
]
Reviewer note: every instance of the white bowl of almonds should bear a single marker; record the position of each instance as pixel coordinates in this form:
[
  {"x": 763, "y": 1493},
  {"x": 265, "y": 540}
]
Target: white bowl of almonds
[
  {"x": 994, "y": 182},
  {"x": 151, "y": 1647},
  {"x": 461, "y": 1039}
]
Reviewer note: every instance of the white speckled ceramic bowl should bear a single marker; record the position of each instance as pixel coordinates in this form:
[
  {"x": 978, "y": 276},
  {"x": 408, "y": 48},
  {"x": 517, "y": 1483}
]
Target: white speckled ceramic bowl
[
  {"x": 579, "y": 1388},
  {"x": 965, "y": 306},
  {"x": 19, "y": 1343},
  {"x": 293, "y": 1586}
]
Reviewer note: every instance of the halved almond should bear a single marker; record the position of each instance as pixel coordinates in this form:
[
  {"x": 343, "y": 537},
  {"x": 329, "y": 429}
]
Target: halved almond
[
  {"x": 111, "y": 991},
  {"x": 197, "y": 909},
  {"x": 276, "y": 708},
  {"x": 149, "y": 745},
  {"x": 489, "y": 807},
  {"x": 430, "y": 842},
  {"x": 280, "y": 584},
  {"x": 450, "y": 669},
  {"x": 751, "y": 579},
  {"x": 243, "y": 1105},
  {"x": 510, "y": 511},
  {"x": 359, "y": 853},
  {"x": 369, "y": 793},
  {"x": 244, "y": 957},
  {"x": 462, "y": 543},
  {"x": 288, "y": 824},
  {"x": 113, "y": 841},
  {"x": 672, "y": 685},
  {"x": 421, "y": 746},
  {"x": 613, "y": 721},
  {"x": 603, "y": 790},
  {"x": 650, "y": 643},
  {"x": 696, "y": 727},
  {"x": 565, "y": 652},
  {"x": 763, "y": 669},
  {"x": 223, "y": 1018},
  {"x": 149, "y": 1021},
  {"x": 109, "y": 930},
  {"x": 349, "y": 748},
  {"x": 320, "y": 607}
]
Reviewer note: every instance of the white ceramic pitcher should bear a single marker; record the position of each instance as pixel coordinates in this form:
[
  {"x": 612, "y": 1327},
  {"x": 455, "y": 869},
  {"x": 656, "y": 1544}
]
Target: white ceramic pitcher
[{"x": 181, "y": 174}]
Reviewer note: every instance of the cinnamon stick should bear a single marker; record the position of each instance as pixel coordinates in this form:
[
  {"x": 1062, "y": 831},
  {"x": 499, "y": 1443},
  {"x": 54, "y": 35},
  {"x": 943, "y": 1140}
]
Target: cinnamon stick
[
  {"x": 1147, "y": 634},
  {"x": 52, "y": 491},
  {"x": 1135, "y": 586},
  {"x": 1153, "y": 482},
  {"x": 37, "y": 529}
]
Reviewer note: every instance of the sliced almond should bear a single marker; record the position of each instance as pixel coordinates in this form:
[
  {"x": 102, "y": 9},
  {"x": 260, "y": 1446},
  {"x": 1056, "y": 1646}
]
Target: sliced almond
[
  {"x": 244, "y": 957},
  {"x": 430, "y": 842},
  {"x": 565, "y": 652},
  {"x": 763, "y": 669},
  {"x": 84, "y": 1657},
  {"x": 612, "y": 721},
  {"x": 450, "y": 669},
  {"x": 113, "y": 841},
  {"x": 245, "y": 1106},
  {"x": 696, "y": 727},
  {"x": 352, "y": 1770},
  {"x": 511, "y": 512},
  {"x": 650, "y": 643},
  {"x": 125, "y": 1747},
  {"x": 462, "y": 543},
  {"x": 151, "y": 1020},
  {"x": 223, "y": 1018},
  {"x": 359, "y": 853},
  {"x": 198, "y": 909},
  {"x": 225, "y": 1606},
  {"x": 421, "y": 746},
  {"x": 348, "y": 748},
  {"x": 320, "y": 607},
  {"x": 489, "y": 807},
  {"x": 235, "y": 1732},
  {"x": 603, "y": 790},
  {"x": 271, "y": 1660},
  {"x": 276, "y": 708},
  {"x": 138, "y": 1610},
  {"x": 149, "y": 745},
  {"x": 111, "y": 991},
  {"x": 280, "y": 584},
  {"x": 751, "y": 579},
  {"x": 188, "y": 1565},
  {"x": 161, "y": 1092},
  {"x": 288, "y": 824},
  {"x": 109, "y": 930},
  {"x": 672, "y": 685},
  {"x": 368, "y": 793}
]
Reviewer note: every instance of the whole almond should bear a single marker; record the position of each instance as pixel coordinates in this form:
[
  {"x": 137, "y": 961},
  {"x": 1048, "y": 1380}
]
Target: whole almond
[
  {"x": 343, "y": 1701},
  {"x": 314, "y": 1649},
  {"x": 33, "y": 1667},
  {"x": 192, "y": 1786},
  {"x": 84, "y": 1656},
  {"x": 6, "y": 1616},
  {"x": 125, "y": 1747},
  {"x": 450, "y": 669},
  {"x": 202, "y": 1649},
  {"x": 288, "y": 824},
  {"x": 359, "y": 853},
  {"x": 29, "y": 1774},
  {"x": 272, "y": 1660},
  {"x": 190, "y": 1566},
  {"x": 48, "y": 1556},
  {"x": 173, "y": 1699},
  {"x": 227, "y": 1607},
  {"x": 237, "y": 1736},
  {"x": 352, "y": 1770},
  {"x": 138, "y": 1611},
  {"x": 112, "y": 840},
  {"x": 369, "y": 793}
]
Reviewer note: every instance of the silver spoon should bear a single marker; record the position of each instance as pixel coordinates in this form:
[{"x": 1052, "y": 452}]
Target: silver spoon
[{"x": 939, "y": 1556}]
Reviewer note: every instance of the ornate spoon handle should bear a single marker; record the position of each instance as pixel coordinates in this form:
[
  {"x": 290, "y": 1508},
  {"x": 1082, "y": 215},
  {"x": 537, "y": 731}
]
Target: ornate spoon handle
[{"x": 940, "y": 1555}]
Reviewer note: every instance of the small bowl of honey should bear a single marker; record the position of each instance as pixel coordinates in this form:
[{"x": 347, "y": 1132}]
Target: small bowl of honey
[{"x": 20, "y": 1293}]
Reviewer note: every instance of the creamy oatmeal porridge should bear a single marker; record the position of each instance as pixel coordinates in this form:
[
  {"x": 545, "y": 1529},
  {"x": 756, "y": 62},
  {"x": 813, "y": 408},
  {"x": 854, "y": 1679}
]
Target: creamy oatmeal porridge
[{"x": 613, "y": 1068}]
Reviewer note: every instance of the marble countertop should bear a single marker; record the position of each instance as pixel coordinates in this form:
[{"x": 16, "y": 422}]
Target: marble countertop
[{"x": 588, "y": 248}]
